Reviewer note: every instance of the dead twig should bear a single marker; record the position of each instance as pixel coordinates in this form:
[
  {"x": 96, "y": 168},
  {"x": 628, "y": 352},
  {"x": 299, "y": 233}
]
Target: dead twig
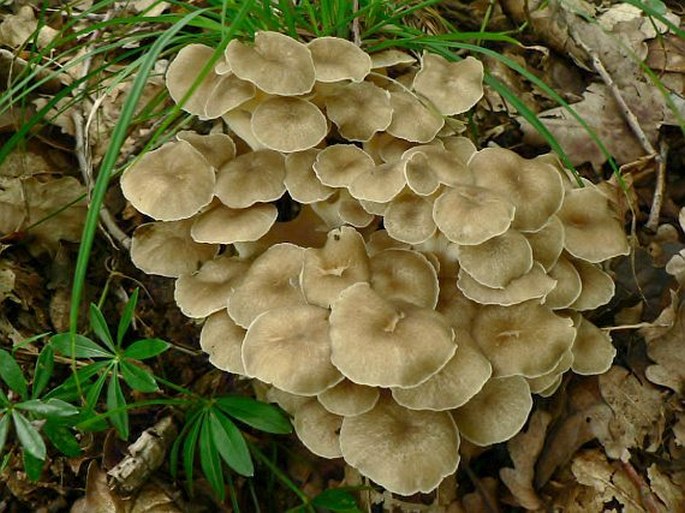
[
  {"x": 655, "y": 212},
  {"x": 356, "y": 32}
]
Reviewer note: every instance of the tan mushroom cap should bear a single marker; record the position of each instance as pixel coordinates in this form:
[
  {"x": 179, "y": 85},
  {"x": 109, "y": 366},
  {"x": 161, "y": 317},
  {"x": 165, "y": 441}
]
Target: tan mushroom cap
[
  {"x": 470, "y": 215},
  {"x": 289, "y": 347},
  {"x": 271, "y": 282},
  {"x": 170, "y": 183},
  {"x": 380, "y": 240},
  {"x": 597, "y": 286},
  {"x": 276, "y": 64},
  {"x": 166, "y": 249},
  {"x": 453, "y": 87},
  {"x": 288, "y": 124},
  {"x": 352, "y": 212},
  {"x": 390, "y": 57},
  {"x": 239, "y": 121},
  {"x": 454, "y": 305},
  {"x": 228, "y": 93},
  {"x": 461, "y": 146},
  {"x": 420, "y": 174},
  {"x": 593, "y": 352},
  {"x": 499, "y": 260},
  {"x": 412, "y": 120},
  {"x": 285, "y": 400},
  {"x": 217, "y": 148},
  {"x": 349, "y": 399},
  {"x": 535, "y": 284},
  {"x": 526, "y": 339},
  {"x": 409, "y": 218},
  {"x": 592, "y": 231},
  {"x": 496, "y": 413},
  {"x": 360, "y": 110},
  {"x": 207, "y": 290},
  {"x": 222, "y": 340},
  {"x": 383, "y": 147},
  {"x": 406, "y": 276},
  {"x": 318, "y": 429},
  {"x": 404, "y": 451},
  {"x": 184, "y": 70},
  {"x": 547, "y": 243},
  {"x": 337, "y": 59},
  {"x": 454, "y": 385},
  {"x": 533, "y": 186},
  {"x": 339, "y": 164},
  {"x": 448, "y": 167},
  {"x": 543, "y": 383},
  {"x": 330, "y": 270},
  {"x": 255, "y": 177},
  {"x": 381, "y": 184},
  {"x": 568, "y": 287},
  {"x": 374, "y": 341},
  {"x": 224, "y": 225},
  {"x": 301, "y": 180}
]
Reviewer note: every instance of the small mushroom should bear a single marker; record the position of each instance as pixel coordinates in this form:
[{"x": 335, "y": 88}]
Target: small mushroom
[
  {"x": 360, "y": 110},
  {"x": 547, "y": 243},
  {"x": 339, "y": 164},
  {"x": 217, "y": 148},
  {"x": 412, "y": 120},
  {"x": 381, "y": 184},
  {"x": 406, "y": 276},
  {"x": 593, "y": 352},
  {"x": 224, "y": 225},
  {"x": 318, "y": 429},
  {"x": 222, "y": 339},
  {"x": 301, "y": 180},
  {"x": 391, "y": 57},
  {"x": 349, "y": 399},
  {"x": 255, "y": 177},
  {"x": 239, "y": 121},
  {"x": 597, "y": 286},
  {"x": 543, "y": 383},
  {"x": 568, "y": 286},
  {"x": 447, "y": 166},
  {"x": 337, "y": 59},
  {"x": 288, "y": 124},
  {"x": 409, "y": 218}
]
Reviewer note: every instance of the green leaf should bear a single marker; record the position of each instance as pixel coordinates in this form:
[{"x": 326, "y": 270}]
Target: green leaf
[
  {"x": 117, "y": 401},
  {"x": 127, "y": 317},
  {"x": 189, "y": 450},
  {"x": 32, "y": 466},
  {"x": 10, "y": 372},
  {"x": 83, "y": 347},
  {"x": 137, "y": 378},
  {"x": 210, "y": 460},
  {"x": 146, "y": 348},
  {"x": 4, "y": 428},
  {"x": 67, "y": 391},
  {"x": 48, "y": 408},
  {"x": 259, "y": 415},
  {"x": 62, "y": 438},
  {"x": 4, "y": 400},
  {"x": 28, "y": 436},
  {"x": 43, "y": 371},
  {"x": 93, "y": 392},
  {"x": 230, "y": 443},
  {"x": 335, "y": 500},
  {"x": 99, "y": 325}
]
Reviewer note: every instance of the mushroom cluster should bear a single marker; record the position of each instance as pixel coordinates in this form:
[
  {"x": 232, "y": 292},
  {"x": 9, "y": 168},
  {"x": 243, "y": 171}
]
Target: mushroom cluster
[{"x": 423, "y": 290}]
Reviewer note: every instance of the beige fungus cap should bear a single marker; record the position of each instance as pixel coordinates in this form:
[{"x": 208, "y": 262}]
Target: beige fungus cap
[
  {"x": 318, "y": 429},
  {"x": 288, "y": 124},
  {"x": 251, "y": 178},
  {"x": 222, "y": 340},
  {"x": 337, "y": 59},
  {"x": 360, "y": 110},
  {"x": 349, "y": 399},
  {"x": 224, "y": 225}
]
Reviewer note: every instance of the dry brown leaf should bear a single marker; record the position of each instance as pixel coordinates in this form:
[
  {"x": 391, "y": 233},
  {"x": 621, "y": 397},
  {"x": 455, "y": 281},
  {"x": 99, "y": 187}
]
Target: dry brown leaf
[
  {"x": 671, "y": 493},
  {"x": 18, "y": 29},
  {"x": 524, "y": 450}
]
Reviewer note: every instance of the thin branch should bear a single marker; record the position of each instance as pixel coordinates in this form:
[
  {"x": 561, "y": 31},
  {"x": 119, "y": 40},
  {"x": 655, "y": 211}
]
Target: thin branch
[{"x": 655, "y": 212}]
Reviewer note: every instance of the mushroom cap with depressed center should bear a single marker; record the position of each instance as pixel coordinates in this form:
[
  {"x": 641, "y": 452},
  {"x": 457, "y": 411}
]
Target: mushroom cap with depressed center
[
  {"x": 533, "y": 186},
  {"x": 526, "y": 339},
  {"x": 592, "y": 231},
  {"x": 593, "y": 352},
  {"x": 535, "y": 284},
  {"x": 568, "y": 287},
  {"x": 547, "y": 243},
  {"x": 454, "y": 385},
  {"x": 222, "y": 340},
  {"x": 228, "y": 93},
  {"x": 498, "y": 260},
  {"x": 337, "y": 59},
  {"x": 170, "y": 183},
  {"x": 381, "y": 184},
  {"x": 496, "y": 413},
  {"x": 255, "y": 177},
  {"x": 409, "y": 218},
  {"x": 470, "y": 215},
  {"x": 383, "y": 147},
  {"x": 412, "y": 120},
  {"x": 339, "y": 164},
  {"x": 461, "y": 146},
  {"x": 167, "y": 249},
  {"x": 352, "y": 212},
  {"x": 406, "y": 276},
  {"x": 288, "y": 124},
  {"x": 379, "y": 343},
  {"x": 447, "y": 166},
  {"x": 349, "y": 399},
  {"x": 207, "y": 290},
  {"x": 420, "y": 174},
  {"x": 272, "y": 281},
  {"x": 454, "y": 305},
  {"x": 301, "y": 181},
  {"x": 289, "y": 347},
  {"x": 239, "y": 121},
  {"x": 453, "y": 87},
  {"x": 224, "y": 225},
  {"x": 404, "y": 451},
  {"x": 276, "y": 64},
  {"x": 182, "y": 73},
  {"x": 360, "y": 110},
  {"x": 330, "y": 270},
  {"x": 318, "y": 429},
  {"x": 597, "y": 286},
  {"x": 217, "y": 148}
]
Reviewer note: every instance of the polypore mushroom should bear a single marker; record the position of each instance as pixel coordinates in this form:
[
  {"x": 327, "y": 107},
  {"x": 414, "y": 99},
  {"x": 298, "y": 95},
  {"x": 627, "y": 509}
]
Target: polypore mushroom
[
  {"x": 251, "y": 178},
  {"x": 170, "y": 183},
  {"x": 360, "y": 110},
  {"x": 337, "y": 59},
  {"x": 288, "y": 124},
  {"x": 349, "y": 399},
  {"x": 318, "y": 429},
  {"x": 301, "y": 180},
  {"x": 453, "y": 87},
  {"x": 222, "y": 339},
  {"x": 374, "y": 341},
  {"x": 289, "y": 347},
  {"x": 404, "y": 275},
  {"x": 412, "y": 120},
  {"x": 405, "y": 451}
]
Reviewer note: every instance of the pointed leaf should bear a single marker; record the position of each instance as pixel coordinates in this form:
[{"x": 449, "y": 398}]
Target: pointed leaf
[
  {"x": 117, "y": 401},
  {"x": 189, "y": 450},
  {"x": 4, "y": 400},
  {"x": 100, "y": 328},
  {"x": 48, "y": 408},
  {"x": 230, "y": 443},
  {"x": 259, "y": 415},
  {"x": 83, "y": 347},
  {"x": 62, "y": 438},
  {"x": 28, "y": 436},
  {"x": 43, "y": 372},
  {"x": 94, "y": 391},
  {"x": 210, "y": 460},
  {"x": 10, "y": 373},
  {"x": 127, "y": 317},
  {"x": 4, "y": 428},
  {"x": 335, "y": 500},
  {"x": 67, "y": 390},
  {"x": 32, "y": 466},
  {"x": 146, "y": 348},
  {"x": 137, "y": 378}
]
